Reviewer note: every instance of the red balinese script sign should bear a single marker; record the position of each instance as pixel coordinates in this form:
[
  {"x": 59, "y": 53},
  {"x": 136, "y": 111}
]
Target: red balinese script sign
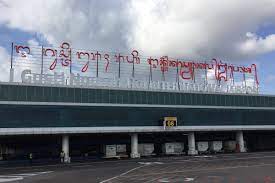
[{"x": 186, "y": 69}]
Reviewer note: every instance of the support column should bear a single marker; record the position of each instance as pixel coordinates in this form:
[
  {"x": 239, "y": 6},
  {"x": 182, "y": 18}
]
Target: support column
[
  {"x": 11, "y": 79},
  {"x": 191, "y": 144},
  {"x": 65, "y": 148},
  {"x": 240, "y": 141},
  {"x": 134, "y": 146}
]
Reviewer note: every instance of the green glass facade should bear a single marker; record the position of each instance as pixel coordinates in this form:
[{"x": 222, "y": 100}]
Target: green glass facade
[
  {"x": 84, "y": 95},
  {"x": 34, "y": 115},
  {"x": 72, "y": 116}
]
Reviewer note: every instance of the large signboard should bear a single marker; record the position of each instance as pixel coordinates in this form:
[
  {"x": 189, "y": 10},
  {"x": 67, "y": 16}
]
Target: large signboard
[{"x": 66, "y": 66}]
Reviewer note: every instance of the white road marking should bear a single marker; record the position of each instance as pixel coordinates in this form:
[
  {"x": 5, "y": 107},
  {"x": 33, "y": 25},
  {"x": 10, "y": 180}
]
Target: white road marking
[
  {"x": 145, "y": 163},
  {"x": 32, "y": 174},
  {"x": 221, "y": 159},
  {"x": 153, "y": 180},
  {"x": 249, "y": 153},
  {"x": 209, "y": 160},
  {"x": 102, "y": 162},
  {"x": 206, "y": 169},
  {"x": 72, "y": 164},
  {"x": 163, "y": 180},
  {"x": 25, "y": 174},
  {"x": 131, "y": 170},
  {"x": 203, "y": 156},
  {"x": 187, "y": 179},
  {"x": 150, "y": 163},
  {"x": 10, "y": 178},
  {"x": 17, "y": 177}
]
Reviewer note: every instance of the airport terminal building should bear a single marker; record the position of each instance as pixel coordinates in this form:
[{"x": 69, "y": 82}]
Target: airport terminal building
[
  {"x": 45, "y": 113},
  {"x": 104, "y": 116}
]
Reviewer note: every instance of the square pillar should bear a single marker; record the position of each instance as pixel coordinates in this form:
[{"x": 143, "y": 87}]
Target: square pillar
[
  {"x": 192, "y": 144},
  {"x": 134, "y": 146},
  {"x": 240, "y": 142},
  {"x": 66, "y": 148}
]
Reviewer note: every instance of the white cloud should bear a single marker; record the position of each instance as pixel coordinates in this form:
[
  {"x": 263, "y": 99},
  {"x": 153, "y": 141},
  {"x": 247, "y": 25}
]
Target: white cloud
[
  {"x": 182, "y": 28},
  {"x": 89, "y": 24},
  {"x": 255, "y": 45},
  {"x": 33, "y": 42},
  {"x": 198, "y": 29}
]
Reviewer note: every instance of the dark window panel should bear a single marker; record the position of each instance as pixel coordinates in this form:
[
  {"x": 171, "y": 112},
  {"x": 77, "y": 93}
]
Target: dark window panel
[{"x": 83, "y": 95}]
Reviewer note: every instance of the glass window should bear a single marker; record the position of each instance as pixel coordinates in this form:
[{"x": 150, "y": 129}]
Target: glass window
[
  {"x": 77, "y": 95},
  {"x": 241, "y": 100},
  {"x": 155, "y": 97},
  {"x": 142, "y": 97},
  {"x": 174, "y": 98},
  {"x": 273, "y": 101},
  {"x": 11, "y": 92},
  {"x": 270, "y": 101},
  {"x": 149, "y": 97},
  {"x": 245, "y": 100},
  {"x": 161, "y": 98},
  {"x": 167, "y": 98},
  {"x": 194, "y": 99},
  {"x": 131, "y": 97},
  {"x": 65, "y": 94},
  {"x": 112, "y": 96},
  {"x": 46, "y": 94},
  {"x": 182, "y": 99},
  {"x": 249, "y": 101},
  {"x": 214, "y": 100},
  {"x": 219, "y": 100},
  {"x": 20, "y": 93},
  {"x": 120, "y": 96},
  {"x": 262, "y": 101},
  {"x": 257, "y": 101},
  {"x": 178, "y": 98},
  {"x": 5, "y": 93},
  {"x": 187, "y": 99},
  {"x": 199, "y": 99},
  {"x": 84, "y": 95},
  {"x": 266, "y": 101},
  {"x": 228, "y": 101},
  {"x": 54, "y": 94},
  {"x": 2, "y": 92},
  {"x": 61, "y": 94}
]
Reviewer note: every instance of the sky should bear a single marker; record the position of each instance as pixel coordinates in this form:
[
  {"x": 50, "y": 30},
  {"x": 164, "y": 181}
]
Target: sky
[{"x": 238, "y": 32}]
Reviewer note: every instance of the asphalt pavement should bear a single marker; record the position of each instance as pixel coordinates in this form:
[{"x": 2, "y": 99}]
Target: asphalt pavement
[{"x": 221, "y": 168}]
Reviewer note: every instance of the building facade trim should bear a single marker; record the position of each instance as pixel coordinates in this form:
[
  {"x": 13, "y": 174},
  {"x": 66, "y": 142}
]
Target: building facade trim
[
  {"x": 130, "y": 105},
  {"x": 128, "y": 129}
]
